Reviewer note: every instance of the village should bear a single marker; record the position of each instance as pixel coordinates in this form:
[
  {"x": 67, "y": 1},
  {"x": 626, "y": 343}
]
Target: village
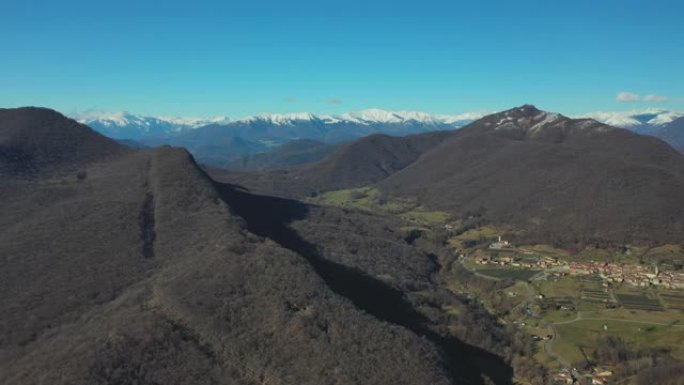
[
  {"x": 581, "y": 300},
  {"x": 611, "y": 273}
]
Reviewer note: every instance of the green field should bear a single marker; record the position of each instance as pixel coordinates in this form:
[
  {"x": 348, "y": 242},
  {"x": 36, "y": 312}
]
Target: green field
[
  {"x": 370, "y": 199},
  {"x": 566, "y": 287},
  {"x": 484, "y": 233},
  {"x": 584, "y": 333},
  {"x": 544, "y": 251},
  {"x": 507, "y": 273}
]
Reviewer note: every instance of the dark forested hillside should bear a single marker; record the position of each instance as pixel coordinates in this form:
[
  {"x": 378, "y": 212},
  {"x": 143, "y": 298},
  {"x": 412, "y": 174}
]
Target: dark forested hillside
[
  {"x": 136, "y": 268},
  {"x": 358, "y": 163},
  {"x": 38, "y": 139},
  {"x": 370, "y": 159},
  {"x": 555, "y": 178}
]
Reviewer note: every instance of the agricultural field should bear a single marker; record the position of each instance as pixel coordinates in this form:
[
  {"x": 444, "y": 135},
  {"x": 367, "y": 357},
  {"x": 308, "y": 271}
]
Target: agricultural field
[
  {"x": 593, "y": 295},
  {"x": 364, "y": 198},
  {"x": 544, "y": 251},
  {"x": 673, "y": 300},
  {"x": 479, "y": 234},
  {"x": 567, "y": 287},
  {"x": 508, "y": 273},
  {"x": 639, "y": 301},
  {"x": 584, "y": 334}
]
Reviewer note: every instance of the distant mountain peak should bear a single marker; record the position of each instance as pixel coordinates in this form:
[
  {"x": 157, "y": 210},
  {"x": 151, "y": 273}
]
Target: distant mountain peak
[
  {"x": 527, "y": 121},
  {"x": 279, "y": 119},
  {"x": 365, "y": 117},
  {"x": 124, "y": 125},
  {"x": 635, "y": 119},
  {"x": 34, "y": 139}
]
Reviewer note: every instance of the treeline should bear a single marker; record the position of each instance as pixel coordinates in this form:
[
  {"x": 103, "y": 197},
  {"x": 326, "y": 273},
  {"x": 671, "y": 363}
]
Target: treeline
[{"x": 650, "y": 366}]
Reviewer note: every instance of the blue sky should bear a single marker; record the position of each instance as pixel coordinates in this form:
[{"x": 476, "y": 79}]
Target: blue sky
[{"x": 237, "y": 58}]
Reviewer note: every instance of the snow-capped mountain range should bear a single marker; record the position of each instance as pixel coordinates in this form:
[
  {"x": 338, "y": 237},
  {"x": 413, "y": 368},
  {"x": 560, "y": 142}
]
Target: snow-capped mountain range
[
  {"x": 637, "y": 120},
  {"x": 665, "y": 124},
  {"x": 123, "y": 125},
  {"x": 217, "y": 140}
]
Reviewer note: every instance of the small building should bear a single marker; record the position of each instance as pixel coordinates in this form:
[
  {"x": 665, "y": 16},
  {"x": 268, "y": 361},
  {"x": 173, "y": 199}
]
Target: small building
[{"x": 500, "y": 244}]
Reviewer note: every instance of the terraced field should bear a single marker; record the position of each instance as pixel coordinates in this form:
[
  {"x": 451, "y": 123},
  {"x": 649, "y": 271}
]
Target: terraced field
[
  {"x": 595, "y": 295},
  {"x": 639, "y": 302},
  {"x": 673, "y": 301}
]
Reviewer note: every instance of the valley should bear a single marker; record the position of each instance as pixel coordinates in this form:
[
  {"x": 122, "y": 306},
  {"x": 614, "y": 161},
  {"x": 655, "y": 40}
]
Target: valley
[
  {"x": 393, "y": 252},
  {"x": 341, "y": 192},
  {"x": 567, "y": 303}
]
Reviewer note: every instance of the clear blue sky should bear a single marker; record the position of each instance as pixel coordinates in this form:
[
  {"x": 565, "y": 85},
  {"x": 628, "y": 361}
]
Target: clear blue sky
[{"x": 242, "y": 57}]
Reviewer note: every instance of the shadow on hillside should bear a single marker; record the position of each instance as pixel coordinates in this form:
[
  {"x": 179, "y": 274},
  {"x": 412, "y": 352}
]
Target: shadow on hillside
[{"x": 269, "y": 217}]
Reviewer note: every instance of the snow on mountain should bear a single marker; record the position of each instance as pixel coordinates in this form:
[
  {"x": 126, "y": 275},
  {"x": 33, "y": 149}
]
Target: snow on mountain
[
  {"x": 194, "y": 122},
  {"x": 635, "y": 119},
  {"x": 460, "y": 118},
  {"x": 123, "y": 125},
  {"x": 617, "y": 119},
  {"x": 280, "y": 119},
  {"x": 654, "y": 121},
  {"x": 366, "y": 117},
  {"x": 122, "y": 119}
]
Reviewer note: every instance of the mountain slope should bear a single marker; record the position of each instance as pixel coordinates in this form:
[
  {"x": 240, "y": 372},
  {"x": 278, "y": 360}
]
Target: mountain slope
[
  {"x": 673, "y": 133},
  {"x": 556, "y": 179},
  {"x": 146, "y": 271},
  {"x": 218, "y": 152},
  {"x": 370, "y": 160},
  {"x": 293, "y": 153},
  {"x": 37, "y": 139},
  {"x": 358, "y": 163},
  {"x": 663, "y": 124}
]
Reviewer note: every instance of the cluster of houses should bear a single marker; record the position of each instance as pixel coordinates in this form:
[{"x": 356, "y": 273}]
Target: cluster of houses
[
  {"x": 633, "y": 274},
  {"x": 506, "y": 260}
]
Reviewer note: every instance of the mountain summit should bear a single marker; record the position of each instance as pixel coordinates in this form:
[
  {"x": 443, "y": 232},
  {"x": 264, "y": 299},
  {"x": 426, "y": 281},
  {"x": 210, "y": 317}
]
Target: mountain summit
[
  {"x": 554, "y": 178},
  {"x": 529, "y": 122},
  {"x": 37, "y": 139}
]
